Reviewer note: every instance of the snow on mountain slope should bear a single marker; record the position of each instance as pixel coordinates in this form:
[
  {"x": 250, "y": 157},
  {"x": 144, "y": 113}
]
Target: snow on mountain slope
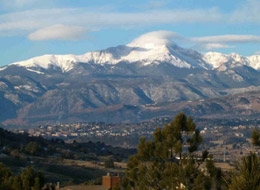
[
  {"x": 216, "y": 59},
  {"x": 64, "y": 62},
  {"x": 239, "y": 58},
  {"x": 155, "y": 55},
  {"x": 254, "y": 61},
  {"x": 156, "y": 47},
  {"x": 3, "y": 68},
  {"x": 219, "y": 60},
  {"x": 151, "y": 48}
]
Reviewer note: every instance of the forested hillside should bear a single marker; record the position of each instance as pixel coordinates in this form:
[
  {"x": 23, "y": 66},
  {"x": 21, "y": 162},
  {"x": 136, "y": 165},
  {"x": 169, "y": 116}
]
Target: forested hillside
[{"x": 56, "y": 160}]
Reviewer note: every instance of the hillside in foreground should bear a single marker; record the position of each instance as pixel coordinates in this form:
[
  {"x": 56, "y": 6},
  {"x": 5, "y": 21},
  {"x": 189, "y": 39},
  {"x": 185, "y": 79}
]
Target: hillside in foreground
[{"x": 58, "y": 161}]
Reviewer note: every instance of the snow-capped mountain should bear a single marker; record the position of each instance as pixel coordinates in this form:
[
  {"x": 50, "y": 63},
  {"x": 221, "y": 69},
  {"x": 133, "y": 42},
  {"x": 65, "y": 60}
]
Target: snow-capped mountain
[
  {"x": 120, "y": 83},
  {"x": 144, "y": 49},
  {"x": 218, "y": 59},
  {"x": 64, "y": 62},
  {"x": 148, "y": 49},
  {"x": 254, "y": 61}
]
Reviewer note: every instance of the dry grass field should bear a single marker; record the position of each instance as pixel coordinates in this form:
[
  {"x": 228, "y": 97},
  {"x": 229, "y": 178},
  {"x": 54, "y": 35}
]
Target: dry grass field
[
  {"x": 224, "y": 166},
  {"x": 83, "y": 187},
  {"x": 119, "y": 166}
]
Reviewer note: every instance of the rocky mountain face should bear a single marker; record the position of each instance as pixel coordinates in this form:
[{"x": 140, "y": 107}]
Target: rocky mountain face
[{"x": 141, "y": 80}]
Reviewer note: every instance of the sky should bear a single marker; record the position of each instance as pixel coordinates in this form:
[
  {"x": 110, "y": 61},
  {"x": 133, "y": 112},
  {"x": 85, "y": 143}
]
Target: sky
[{"x": 30, "y": 28}]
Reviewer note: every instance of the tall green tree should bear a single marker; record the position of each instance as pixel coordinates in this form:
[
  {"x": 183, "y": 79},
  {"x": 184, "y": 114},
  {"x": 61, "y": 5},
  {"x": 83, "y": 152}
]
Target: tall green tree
[
  {"x": 170, "y": 160},
  {"x": 109, "y": 163},
  {"x": 33, "y": 148},
  {"x": 5, "y": 175},
  {"x": 247, "y": 174},
  {"x": 31, "y": 179},
  {"x": 255, "y": 137},
  {"x": 16, "y": 183}
]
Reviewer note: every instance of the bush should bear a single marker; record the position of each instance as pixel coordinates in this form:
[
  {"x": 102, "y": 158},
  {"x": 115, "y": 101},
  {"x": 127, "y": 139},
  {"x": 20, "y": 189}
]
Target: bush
[{"x": 109, "y": 163}]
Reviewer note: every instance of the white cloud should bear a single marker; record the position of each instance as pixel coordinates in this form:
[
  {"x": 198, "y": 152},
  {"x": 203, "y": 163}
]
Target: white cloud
[
  {"x": 21, "y": 2},
  {"x": 39, "y": 18},
  {"x": 202, "y": 43},
  {"x": 247, "y": 13},
  {"x": 228, "y": 39},
  {"x": 155, "y": 38},
  {"x": 94, "y": 18},
  {"x": 28, "y": 21},
  {"x": 159, "y": 17},
  {"x": 211, "y": 46},
  {"x": 58, "y": 32},
  {"x": 223, "y": 41},
  {"x": 155, "y": 4},
  {"x": 17, "y": 3}
]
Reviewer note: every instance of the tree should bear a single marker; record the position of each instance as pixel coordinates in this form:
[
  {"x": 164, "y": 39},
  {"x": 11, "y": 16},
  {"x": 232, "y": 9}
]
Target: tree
[
  {"x": 5, "y": 175},
  {"x": 109, "y": 163},
  {"x": 116, "y": 187},
  {"x": 33, "y": 148},
  {"x": 16, "y": 183},
  {"x": 27, "y": 177},
  {"x": 247, "y": 174},
  {"x": 31, "y": 179},
  {"x": 169, "y": 161},
  {"x": 255, "y": 137}
]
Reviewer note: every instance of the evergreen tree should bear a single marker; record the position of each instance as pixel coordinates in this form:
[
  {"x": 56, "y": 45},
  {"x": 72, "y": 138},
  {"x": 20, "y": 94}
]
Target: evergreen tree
[
  {"x": 255, "y": 137},
  {"x": 247, "y": 174},
  {"x": 169, "y": 161},
  {"x": 109, "y": 163},
  {"x": 30, "y": 179},
  {"x": 5, "y": 175},
  {"x": 27, "y": 178},
  {"x": 33, "y": 148},
  {"x": 16, "y": 183}
]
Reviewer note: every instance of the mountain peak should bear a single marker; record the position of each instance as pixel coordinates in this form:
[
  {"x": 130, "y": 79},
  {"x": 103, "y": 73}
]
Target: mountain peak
[
  {"x": 254, "y": 61},
  {"x": 215, "y": 59},
  {"x": 148, "y": 49},
  {"x": 151, "y": 48},
  {"x": 64, "y": 62}
]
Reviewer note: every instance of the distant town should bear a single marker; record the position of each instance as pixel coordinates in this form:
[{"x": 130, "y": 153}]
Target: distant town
[{"x": 226, "y": 143}]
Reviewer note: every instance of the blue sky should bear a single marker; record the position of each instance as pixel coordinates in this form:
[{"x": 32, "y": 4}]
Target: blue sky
[{"x": 31, "y": 28}]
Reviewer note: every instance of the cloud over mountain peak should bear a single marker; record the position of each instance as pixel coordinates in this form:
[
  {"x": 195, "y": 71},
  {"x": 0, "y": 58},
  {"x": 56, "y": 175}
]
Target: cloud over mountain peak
[{"x": 154, "y": 39}]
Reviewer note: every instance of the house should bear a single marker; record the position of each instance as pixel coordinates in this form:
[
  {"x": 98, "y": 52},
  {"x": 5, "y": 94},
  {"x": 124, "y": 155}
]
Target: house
[{"x": 110, "y": 181}]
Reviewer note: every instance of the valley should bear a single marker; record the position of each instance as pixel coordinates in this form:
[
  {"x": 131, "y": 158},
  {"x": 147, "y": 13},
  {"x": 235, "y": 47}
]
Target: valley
[
  {"x": 221, "y": 136},
  {"x": 77, "y": 154},
  {"x": 74, "y": 114}
]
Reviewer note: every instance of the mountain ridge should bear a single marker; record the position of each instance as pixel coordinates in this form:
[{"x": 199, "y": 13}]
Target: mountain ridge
[
  {"x": 120, "y": 83},
  {"x": 65, "y": 62},
  {"x": 146, "y": 49}
]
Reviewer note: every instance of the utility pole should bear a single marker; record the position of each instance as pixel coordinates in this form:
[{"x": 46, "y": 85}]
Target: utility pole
[{"x": 224, "y": 155}]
